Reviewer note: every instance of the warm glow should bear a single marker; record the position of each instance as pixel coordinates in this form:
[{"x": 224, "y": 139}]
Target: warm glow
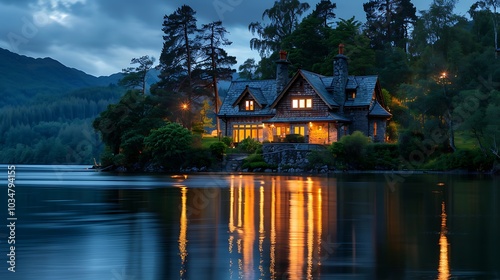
[
  {"x": 184, "y": 106},
  {"x": 297, "y": 239},
  {"x": 443, "y": 75},
  {"x": 444, "y": 262},
  {"x": 183, "y": 232}
]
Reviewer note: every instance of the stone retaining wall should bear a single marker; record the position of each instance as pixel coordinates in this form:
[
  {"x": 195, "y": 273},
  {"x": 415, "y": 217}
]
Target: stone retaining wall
[{"x": 291, "y": 157}]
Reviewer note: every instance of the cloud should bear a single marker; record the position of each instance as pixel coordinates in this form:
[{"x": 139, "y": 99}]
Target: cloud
[{"x": 101, "y": 36}]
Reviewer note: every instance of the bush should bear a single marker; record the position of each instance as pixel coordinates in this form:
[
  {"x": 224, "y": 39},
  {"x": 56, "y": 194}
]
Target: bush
[
  {"x": 355, "y": 149},
  {"x": 470, "y": 160},
  {"x": 168, "y": 145},
  {"x": 227, "y": 140},
  {"x": 294, "y": 138},
  {"x": 199, "y": 157},
  {"x": 255, "y": 161},
  {"x": 218, "y": 149},
  {"x": 382, "y": 156},
  {"x": 318, "y": 159},
  {"x": 249, "y": 145}
]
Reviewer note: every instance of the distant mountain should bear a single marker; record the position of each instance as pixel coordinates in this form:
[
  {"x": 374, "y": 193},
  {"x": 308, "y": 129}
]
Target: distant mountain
[{"x": 23, "y": 79}]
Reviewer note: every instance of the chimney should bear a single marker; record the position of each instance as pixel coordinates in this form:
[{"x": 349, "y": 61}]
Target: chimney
[
  {"x": 282, "y": 71},
  {"x": 340, "y": 75}
]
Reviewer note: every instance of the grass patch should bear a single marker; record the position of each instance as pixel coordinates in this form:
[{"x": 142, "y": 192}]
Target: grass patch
[{"x": 207, "y": 141}]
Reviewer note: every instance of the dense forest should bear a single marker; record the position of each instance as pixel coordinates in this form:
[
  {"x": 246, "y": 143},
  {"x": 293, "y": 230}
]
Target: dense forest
[{"x": 47, "y": 110}]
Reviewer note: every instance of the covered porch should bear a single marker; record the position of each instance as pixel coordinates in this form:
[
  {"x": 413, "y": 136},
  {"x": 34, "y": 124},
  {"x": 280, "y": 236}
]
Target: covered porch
[{"x": 316, "y": 130}]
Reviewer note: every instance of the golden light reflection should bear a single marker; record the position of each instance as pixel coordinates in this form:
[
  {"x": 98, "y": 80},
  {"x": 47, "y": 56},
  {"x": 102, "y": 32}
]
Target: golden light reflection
[
  {"x": 288, "y": 213},
  {"x": 272, "y": 254},
  {"x": 183, "y": 232},
  {"x": 261, "y": 231},
  {"x": 444, "y": 263},
  {"x": 310, "y": 232},
  {"x": 296, "y": 240}
]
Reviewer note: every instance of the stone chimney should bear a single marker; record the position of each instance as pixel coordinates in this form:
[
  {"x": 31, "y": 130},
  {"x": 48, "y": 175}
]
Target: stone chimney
[
  {"x": 282, "y": 71},
  {"x": 340, "y": 75}
]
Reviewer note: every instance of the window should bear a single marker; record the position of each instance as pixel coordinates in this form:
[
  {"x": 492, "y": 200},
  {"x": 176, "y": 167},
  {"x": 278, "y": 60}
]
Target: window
[
  {"x": 351, "y": 94},
  {"x": 249, "y": 105},
  {"x": 243, "y": 131},
  {"x": 302, "y": 103},
  {"x": 374, "y": 129},
  {"x": 299, "y": 130}
]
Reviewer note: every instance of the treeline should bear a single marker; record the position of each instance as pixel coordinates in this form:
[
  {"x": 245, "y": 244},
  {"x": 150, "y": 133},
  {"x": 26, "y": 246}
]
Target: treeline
[
  {"x": 55, "y": 131},
  {"x": 439, "y": 70}
]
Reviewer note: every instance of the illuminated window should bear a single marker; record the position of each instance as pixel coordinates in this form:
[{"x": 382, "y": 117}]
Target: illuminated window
[
  {"x": 375, "y": 129},
  {"x": 299, "y": 130},
  {"x": 243, "y": 131},
  {"x": 302, "y": 103},
  {"x": 249, "y": 105},
  {"x": 351, "y": 94}
]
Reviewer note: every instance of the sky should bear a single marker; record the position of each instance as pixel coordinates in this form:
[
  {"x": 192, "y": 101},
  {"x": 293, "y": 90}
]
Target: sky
[{"x": 100, "y": 37}]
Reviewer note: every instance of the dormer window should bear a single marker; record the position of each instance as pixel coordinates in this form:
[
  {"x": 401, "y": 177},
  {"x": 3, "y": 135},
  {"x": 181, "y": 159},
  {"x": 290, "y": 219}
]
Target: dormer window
[
  {"x": 302, "y": 103},
  {"x": 351, "y": 94},
  {"x": 249, "y": 106}
]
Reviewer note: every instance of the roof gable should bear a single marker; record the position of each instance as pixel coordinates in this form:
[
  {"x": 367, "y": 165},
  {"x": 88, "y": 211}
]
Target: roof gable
[
  {"x": 316, "y": 81},
  {"x": 378, "y": 111},
  {"x": 365, "y": 87},
  {"x": 267, "y": 89},
  {"x": 255, "y": 93}
]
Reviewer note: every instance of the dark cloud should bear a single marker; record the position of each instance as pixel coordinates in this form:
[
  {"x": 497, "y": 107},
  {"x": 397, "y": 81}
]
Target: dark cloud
[{"x": 101, "y": 36}]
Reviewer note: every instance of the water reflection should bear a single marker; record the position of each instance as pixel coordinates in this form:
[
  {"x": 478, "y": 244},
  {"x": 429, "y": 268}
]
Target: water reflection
[
  {"x": 256, "y": 227},
  {"x": 183, "y": 232},
  {"x": 444, "y": 264},
  {"x": 291, "y": 209}
]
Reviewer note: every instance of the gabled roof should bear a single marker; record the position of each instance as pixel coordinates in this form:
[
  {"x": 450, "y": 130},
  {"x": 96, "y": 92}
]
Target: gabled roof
[
  {"x": 317, "y": 83},
  {"x": 378, "y": 111},
  {"x": 262, "y": 90},
  {"x": 255, "y": 93},
  {"x": 365, "y": 88}
]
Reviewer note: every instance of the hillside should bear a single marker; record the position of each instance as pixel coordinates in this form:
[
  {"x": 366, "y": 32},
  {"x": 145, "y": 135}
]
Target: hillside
[
  {"x": 23, "y": 78},
  {"x": 46, "y": 110}
]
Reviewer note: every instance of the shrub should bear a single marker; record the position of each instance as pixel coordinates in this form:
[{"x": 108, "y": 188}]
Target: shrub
[
  {"x": 318, "y": 159},
  {"x": 168, "y": 145},
  {"x": 218, "y": 149},
  {"x": 355, "y": 148},
  {"x": 470, "y": 160},
  {"x": 382, "y": 156},
  {"x": 249, "y": 145},
  {"x": 255, "y": 161},
  {"x": 294, "y": 138},
  {"x": 227, "y": 140},
  {"x": 199, "y": 157}
]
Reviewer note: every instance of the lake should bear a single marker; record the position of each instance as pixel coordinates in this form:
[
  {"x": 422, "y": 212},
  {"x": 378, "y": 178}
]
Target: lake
[{"x": 74, "y": 223}]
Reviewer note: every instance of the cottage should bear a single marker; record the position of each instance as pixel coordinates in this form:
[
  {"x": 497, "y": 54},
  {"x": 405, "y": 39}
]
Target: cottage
[{"x": 321, "y": 108}]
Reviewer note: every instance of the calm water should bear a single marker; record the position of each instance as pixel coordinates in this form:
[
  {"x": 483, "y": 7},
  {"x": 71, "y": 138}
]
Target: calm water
[{"x": 79, "y": 224}]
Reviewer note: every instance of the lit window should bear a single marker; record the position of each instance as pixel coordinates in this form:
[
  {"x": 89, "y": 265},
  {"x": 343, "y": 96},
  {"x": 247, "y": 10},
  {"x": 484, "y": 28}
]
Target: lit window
[
  {"x": 302, "y": 103},
  {"x": 249, "y": 105},
  {"x": 375, "y": 129}
]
